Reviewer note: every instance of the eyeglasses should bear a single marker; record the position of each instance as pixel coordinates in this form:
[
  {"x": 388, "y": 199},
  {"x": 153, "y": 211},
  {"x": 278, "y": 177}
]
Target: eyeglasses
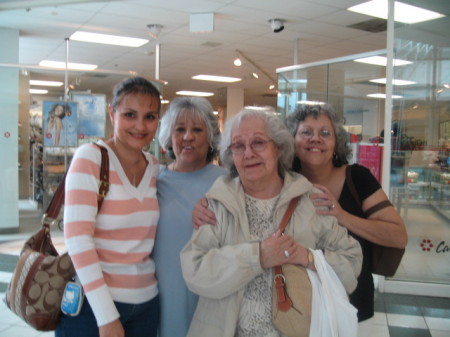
[
  {"x": 256, "y": 145},
  {"x": 308, "y": 133}
]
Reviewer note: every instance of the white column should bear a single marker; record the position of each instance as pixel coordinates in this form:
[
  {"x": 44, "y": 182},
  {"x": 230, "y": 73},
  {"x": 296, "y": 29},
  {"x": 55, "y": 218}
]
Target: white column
[
  {"x": 235, "y": 101},
  {"x": 9, "y": 130}
]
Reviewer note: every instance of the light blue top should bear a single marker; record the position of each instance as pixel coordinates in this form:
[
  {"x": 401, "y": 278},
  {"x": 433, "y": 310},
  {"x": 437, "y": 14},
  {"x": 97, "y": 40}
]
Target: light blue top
[{"x": 178, "y": 192}]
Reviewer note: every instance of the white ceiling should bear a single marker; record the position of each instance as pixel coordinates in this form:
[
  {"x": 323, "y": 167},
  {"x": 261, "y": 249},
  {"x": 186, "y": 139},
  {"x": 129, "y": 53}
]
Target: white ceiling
[{"x": 318, "y": 26}]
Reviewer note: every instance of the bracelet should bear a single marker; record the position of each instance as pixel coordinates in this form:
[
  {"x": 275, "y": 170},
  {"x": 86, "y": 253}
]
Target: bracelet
[{"x": 310, "y": 259}]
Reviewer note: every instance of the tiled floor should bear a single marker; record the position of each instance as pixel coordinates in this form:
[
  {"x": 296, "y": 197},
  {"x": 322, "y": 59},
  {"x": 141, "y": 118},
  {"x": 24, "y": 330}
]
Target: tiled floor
[{"x": 396, "y": 315}]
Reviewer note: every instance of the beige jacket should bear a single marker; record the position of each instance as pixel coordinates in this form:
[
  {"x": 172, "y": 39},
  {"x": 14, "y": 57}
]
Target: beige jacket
[{"x": 220, "y": 260}]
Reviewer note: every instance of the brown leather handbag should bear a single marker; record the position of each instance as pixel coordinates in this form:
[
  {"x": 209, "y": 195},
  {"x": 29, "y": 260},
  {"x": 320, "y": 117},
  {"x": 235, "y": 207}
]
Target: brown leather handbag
[
  {"x": 291, "y": 293},
  {"x": 38, "y": 281}
]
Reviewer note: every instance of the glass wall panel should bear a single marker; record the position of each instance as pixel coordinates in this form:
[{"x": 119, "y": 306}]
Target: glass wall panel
[
  {"x": 420, "y": 132},
  {"x": 422, "y": 118}
]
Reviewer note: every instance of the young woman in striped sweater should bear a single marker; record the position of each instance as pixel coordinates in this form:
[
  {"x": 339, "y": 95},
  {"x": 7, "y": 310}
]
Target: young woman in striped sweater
[{"x": 111, "y": 247}]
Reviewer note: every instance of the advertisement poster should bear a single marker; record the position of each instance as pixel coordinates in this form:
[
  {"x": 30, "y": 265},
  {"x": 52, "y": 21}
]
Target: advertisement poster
[
  {"x": 59, "y": 123},
  {"x": 370, "y": 156},
  {"x": 91, "y": 116}
]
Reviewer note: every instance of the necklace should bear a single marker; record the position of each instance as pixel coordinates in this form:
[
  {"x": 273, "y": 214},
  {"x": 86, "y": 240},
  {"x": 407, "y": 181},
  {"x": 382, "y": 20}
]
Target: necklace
[{"x": 131, "y": 176}]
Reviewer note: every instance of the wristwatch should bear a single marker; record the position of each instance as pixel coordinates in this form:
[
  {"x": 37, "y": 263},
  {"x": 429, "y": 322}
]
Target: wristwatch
[{"x": 310, "y": 259}]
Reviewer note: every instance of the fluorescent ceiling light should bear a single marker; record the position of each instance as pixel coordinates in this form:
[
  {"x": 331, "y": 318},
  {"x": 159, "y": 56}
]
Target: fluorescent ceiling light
[
  {"x": 311, "y": 102},
  {"x": 299, "y": 81},
  {"x": 38, "y": 91},
  {"x": 108, "y": 39},
  {"x": 46, "y": 83},
  {"x": 381, "y": 61},
  {"x": 256, "y": 107},
  {"x": 403, "y": 12},
  {"x": 394, "y": 82},
  {"x": 77, "y": 66},
  {"x": 194, "y": 93},
  {"x": 216, "y": 78},
  {"x": 165, "y": 101},
  {"x": 383, "y": 96}
]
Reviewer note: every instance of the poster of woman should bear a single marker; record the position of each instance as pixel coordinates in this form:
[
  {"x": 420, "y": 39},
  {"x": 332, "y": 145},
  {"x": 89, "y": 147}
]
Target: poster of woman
[
  {"x": 59, "y": 123},
  {"x": 91, "y": 116}
]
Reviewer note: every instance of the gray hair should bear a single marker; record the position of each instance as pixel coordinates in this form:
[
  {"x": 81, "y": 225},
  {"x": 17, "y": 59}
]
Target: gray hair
[
  {"x": 196, "y": 108},
  {"x": 342, "y": 150},
  {"x": 275, "y": 131}
]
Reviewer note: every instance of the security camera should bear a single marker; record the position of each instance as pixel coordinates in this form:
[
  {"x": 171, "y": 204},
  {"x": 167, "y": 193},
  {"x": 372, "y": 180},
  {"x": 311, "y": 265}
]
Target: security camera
[{"x": 277, "y": 25}]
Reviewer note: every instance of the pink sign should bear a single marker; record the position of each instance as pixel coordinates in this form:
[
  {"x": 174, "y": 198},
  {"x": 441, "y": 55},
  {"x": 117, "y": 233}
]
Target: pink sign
[{"x": 370, "y": 156}]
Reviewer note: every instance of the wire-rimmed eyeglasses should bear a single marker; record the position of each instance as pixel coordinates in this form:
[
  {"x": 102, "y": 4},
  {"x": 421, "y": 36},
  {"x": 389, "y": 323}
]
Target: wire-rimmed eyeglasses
[
  {"x": 309, "y": 133},
  {"x": 257, "y": 145}
]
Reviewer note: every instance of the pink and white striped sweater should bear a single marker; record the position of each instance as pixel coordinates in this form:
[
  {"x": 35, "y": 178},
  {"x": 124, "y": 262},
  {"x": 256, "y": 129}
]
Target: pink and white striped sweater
[{"x": 111, "y": 249}]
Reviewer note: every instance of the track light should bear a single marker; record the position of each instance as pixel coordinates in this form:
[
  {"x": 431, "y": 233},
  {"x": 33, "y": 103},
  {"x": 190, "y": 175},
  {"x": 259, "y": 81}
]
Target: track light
[
  {"x": 237, "y": 62},
  {"x": 255, "y": 74},
  {"x": 272, "y": 86}
]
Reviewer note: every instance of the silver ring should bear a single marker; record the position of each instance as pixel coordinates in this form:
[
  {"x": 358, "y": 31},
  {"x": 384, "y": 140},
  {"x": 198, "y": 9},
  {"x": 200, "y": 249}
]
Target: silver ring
[
  {"x": 286, "y": 254},
  {"x": 332, "y": 206}
]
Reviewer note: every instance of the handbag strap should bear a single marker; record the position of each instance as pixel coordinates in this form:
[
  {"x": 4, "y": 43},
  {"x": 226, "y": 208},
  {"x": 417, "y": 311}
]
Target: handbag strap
[
  {"x": 57, "y": 201},
  {"x": 288, "y": 213},
  {"x": 284, "y": 303},
  {"x": 352, "y": 188},
  {"x": 351, "y": 185}
]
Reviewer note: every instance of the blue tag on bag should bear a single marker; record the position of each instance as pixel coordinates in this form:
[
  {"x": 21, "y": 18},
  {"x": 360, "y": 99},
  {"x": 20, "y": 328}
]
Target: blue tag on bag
[{"x": 72, "y": 300}]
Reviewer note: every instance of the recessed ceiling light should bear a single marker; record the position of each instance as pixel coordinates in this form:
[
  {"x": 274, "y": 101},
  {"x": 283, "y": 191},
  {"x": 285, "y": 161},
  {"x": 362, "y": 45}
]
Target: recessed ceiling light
[
  {"x": 216, "y": 78},
  {"x": 194, "y": 93},
  {"x": 46, "y": 83},
  {"x": 394, "y": 82},
  {"x": 38, "y": 91},
  {"x": 383, "y": 96},
  {"x": 403, "y": 12},
  {"x": 62, "y": 65},
  {"x": 108, "y": 39},
  {"x": 381, "y": 61}
]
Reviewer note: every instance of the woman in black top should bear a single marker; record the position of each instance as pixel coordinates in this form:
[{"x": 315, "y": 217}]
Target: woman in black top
[{"x": 321, "y": 156}]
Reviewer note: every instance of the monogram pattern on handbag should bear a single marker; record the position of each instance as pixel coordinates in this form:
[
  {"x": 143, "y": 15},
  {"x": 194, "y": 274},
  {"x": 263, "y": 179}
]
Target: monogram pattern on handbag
[
  {"x": 38, "y": 282},
  {"x": 36, "y": 290}
]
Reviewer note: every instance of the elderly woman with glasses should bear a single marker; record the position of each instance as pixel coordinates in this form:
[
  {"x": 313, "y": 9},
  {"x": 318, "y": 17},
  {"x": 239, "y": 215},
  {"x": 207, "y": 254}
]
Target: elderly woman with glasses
[{"x": 229, "y": 264}]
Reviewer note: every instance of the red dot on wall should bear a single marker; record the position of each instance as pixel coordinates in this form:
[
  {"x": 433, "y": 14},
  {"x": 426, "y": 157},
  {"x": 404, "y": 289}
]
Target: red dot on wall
[{"x": 7, "y": 134}]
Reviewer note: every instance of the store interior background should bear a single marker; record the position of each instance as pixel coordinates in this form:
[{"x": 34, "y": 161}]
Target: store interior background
[{"x": 313, "y": 59}]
